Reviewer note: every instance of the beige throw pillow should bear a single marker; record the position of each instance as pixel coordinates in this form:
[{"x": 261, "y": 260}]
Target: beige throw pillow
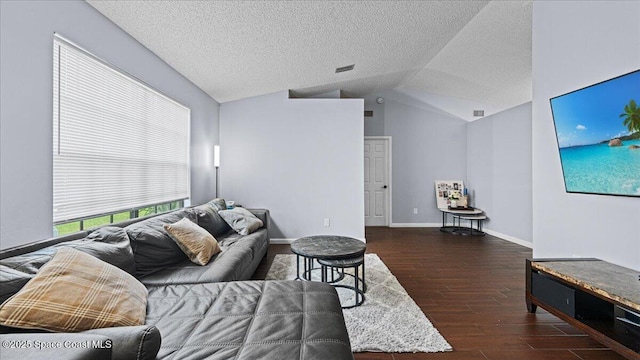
[
  {"x": 193, "y": 240},
  {"x": 75, "y": 291},
  {"x": 241, "y": 220}
]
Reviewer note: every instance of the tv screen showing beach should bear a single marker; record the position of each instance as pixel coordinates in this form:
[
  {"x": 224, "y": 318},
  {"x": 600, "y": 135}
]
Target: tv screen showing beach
[{"x": 598, "y": 133}]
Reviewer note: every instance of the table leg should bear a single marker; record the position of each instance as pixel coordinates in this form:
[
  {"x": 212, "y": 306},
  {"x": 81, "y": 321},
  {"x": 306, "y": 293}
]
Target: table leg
[
  {"x": 356, "y": 281},
  {"x": 306, "y": 274},
  {"x": 531, "y": 307}
]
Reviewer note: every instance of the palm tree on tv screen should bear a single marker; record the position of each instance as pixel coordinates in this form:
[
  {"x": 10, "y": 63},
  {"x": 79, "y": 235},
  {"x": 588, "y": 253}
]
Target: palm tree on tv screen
[{"x": 631, "y": 116}]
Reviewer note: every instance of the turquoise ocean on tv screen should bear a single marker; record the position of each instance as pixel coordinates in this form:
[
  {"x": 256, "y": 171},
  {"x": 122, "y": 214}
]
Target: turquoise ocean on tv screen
[{"x": 602, "y": 169}]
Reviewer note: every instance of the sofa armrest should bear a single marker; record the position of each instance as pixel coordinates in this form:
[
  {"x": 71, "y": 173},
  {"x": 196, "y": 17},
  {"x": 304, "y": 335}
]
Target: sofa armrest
[
  {"x": 70, "y": 346},
  {"x": 262, "y": 214},
  {"x": 131, "y": 342}
]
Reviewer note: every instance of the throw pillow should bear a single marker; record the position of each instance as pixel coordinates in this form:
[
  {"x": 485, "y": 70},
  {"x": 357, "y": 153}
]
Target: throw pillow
[
  {"x": 110, "y": 244},
  {"x": 193, "y": 240},
  {"x": 153, "y": 248},
  {"x": 75, "y": 292},
  {"x": 241, "y": 220},
  {"x": 210, "y": 220},
  {"x": 218, "y": 204}
]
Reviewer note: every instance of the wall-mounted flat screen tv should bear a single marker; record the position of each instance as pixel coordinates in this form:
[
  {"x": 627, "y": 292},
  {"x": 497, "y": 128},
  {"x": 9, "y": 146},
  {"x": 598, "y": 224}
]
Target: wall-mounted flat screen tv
[{"x": 598, "y": 133}]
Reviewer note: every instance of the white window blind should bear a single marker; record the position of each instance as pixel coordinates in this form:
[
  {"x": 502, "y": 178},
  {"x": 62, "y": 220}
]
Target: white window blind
[{"x": 117, "y": 143}]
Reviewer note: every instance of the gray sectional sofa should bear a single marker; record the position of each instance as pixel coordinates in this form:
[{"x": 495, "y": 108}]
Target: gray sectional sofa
[{"x": 193, "y": 311}]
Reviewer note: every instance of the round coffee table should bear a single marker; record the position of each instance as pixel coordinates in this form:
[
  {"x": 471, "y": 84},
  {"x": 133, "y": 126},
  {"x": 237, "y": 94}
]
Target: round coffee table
[
  {"x": 329, "y": 247},
  {"x": 332, "y": 252}
]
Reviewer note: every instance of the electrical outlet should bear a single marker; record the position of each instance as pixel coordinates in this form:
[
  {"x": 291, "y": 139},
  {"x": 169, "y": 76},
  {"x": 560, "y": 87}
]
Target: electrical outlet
[
  {"x": 415, "y": 210},
  {"x": 327, "y": 222}
]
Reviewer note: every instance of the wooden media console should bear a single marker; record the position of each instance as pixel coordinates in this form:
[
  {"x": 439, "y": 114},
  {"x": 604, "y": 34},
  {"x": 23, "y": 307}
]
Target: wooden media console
[{"x": 597, "y": 297}]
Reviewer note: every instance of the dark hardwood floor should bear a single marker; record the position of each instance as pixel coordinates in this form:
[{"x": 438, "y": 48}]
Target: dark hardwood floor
[{"x": 472, "y": 290}]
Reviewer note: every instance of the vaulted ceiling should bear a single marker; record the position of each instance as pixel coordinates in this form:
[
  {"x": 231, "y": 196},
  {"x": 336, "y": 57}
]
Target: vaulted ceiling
[{"x": 472, "y": 50}]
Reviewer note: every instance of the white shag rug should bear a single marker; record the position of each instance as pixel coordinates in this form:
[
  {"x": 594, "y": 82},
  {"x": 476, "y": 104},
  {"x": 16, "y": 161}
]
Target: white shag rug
[{"x": 388, "y": 320}]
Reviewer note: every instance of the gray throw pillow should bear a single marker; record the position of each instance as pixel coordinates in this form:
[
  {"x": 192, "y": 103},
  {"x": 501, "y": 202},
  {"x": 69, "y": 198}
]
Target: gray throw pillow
[
  {"x": 110, "y": 244},
  {"x": 210, "y": 220},
  {"x": 153, "y": 248},
  {"x": 218, "y": 204},
  {"x": 241, "y": 220}
]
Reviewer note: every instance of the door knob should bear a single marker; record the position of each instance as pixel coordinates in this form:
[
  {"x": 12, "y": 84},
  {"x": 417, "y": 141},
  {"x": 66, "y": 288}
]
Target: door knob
[{"x": 384, "y": 187}]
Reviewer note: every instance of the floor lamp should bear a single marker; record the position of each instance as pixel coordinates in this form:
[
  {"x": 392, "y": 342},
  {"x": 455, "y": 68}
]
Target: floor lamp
[{"x": 216, "y": 163}]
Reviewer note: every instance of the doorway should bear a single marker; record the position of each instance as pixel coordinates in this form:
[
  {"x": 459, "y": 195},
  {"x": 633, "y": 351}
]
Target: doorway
[{"x": 377, "y": 180}]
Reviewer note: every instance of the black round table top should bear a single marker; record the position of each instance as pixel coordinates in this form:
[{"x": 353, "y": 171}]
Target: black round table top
[{"x": 328, "y": 247}]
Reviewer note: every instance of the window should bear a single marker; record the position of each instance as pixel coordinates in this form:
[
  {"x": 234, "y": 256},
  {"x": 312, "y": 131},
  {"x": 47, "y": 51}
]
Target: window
[{"x": 120, "y": 148}]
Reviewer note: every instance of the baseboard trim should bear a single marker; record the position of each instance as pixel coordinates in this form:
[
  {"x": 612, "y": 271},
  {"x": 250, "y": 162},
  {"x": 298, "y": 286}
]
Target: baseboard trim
[
  {"x": 414, "y": 225},
  {"x": 509, "y": 238},
  {"x": 288, "y": 241},
  {"x": 502, "y": 236}
]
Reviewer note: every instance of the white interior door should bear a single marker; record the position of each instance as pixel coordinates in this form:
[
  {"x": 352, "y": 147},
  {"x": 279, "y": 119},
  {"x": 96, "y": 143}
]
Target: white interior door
[{"x": 376, "y": 182}]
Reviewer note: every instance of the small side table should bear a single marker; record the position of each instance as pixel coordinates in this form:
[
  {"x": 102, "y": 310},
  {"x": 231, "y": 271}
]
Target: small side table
[
  {"x": 478, "y": 219},
  {"x": 354, "y": 263},
  {"x": 457, "y": 214}
]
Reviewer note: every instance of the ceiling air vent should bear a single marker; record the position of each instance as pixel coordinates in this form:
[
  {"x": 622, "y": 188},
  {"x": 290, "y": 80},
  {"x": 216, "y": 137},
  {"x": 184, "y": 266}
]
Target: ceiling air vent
[
  {"x": 368, "y": 113},
  {"x": 478, "y": 113},
  {"x": 345, "y": 68}
]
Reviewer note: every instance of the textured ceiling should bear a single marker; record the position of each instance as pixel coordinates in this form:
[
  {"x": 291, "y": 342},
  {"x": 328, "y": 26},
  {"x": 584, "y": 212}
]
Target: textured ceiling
[
  {"x": 488, "y": 61},
  {"x": 475, "y": 50}
]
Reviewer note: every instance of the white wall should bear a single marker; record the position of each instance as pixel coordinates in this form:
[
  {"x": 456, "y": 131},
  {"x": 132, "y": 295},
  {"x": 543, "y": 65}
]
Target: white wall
[
  {"x": 491, "y": 154},
  {"x": 428, "y": 145},
  {"x": 576, "y": 44},
  {"x": 499, "y": 171},
  {"x": 302, "y": 159},
  {"x": 374, "y": 125},
  {"x": 26, "y": 70}
]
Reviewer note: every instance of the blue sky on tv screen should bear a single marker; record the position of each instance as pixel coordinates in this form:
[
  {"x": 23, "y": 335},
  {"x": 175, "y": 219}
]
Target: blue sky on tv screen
[{"x": 591, "y": 115}]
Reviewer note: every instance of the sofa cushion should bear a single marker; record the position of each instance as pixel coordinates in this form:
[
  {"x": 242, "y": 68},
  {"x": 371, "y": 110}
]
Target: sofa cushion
[
  {"x": 153, "y": 248},
  {"x": 74, "y": 292},
  {"x": 193, "y": 240},
  {"x": 109, "y": 244},
  {"x": 249, "y": 320},
  {"x": 12, "y": 281},
  {"x": 210, "y": 220},
  {"x": 236, "y": 261},
  {"x": 241, "y": 220}
]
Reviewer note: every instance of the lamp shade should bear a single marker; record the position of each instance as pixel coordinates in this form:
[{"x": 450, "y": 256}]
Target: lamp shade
[{"x": 216, "y": 156}]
